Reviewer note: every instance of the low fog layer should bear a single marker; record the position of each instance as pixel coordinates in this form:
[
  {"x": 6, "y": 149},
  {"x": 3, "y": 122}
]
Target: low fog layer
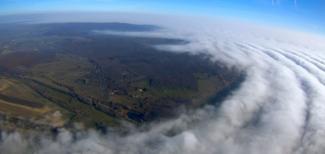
[{"x": 279, "y": 108}]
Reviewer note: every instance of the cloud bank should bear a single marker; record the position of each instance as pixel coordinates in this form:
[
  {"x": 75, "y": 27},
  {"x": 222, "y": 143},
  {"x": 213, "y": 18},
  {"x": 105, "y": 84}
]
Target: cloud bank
[{"x": 279, "y": 108}]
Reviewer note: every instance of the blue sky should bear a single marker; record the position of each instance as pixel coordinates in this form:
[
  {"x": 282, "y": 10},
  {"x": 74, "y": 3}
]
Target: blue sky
[{"x": 305, "y": 14}]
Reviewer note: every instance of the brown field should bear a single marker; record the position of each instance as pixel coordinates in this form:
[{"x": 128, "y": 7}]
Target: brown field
[
  {"x": 19, "y": 101},
  {"x": 12, "y": 60},
  {"x": 20, "y": 110}
]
